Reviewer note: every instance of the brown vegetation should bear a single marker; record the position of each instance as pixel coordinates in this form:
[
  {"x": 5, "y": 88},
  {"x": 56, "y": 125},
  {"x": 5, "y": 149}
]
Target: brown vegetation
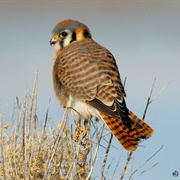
[{"x": 32, "y": 151}]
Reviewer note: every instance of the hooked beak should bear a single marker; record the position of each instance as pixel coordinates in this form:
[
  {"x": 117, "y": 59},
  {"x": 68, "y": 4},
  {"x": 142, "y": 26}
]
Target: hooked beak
[{"x": 53, "y": 41}]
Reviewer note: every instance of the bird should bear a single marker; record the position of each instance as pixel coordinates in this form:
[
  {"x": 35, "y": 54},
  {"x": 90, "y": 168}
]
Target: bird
[{"x": 87, "y": 81}]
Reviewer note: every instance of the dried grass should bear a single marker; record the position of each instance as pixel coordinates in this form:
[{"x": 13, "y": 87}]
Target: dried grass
[{"x": 32, "y": 151}]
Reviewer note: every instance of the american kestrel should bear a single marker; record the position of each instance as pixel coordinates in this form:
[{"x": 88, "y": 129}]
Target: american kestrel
[{"x": 87, "y": 81}]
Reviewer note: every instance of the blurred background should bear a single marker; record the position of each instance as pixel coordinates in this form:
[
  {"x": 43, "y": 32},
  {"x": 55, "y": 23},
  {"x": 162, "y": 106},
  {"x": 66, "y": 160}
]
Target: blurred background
[{"x": 143, "y": 36}]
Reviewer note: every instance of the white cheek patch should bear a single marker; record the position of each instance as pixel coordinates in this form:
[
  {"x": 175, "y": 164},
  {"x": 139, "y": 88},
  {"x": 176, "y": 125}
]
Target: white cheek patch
[
  {"x": 64, "y": 41},
  {"x": 68, "y": 39}
]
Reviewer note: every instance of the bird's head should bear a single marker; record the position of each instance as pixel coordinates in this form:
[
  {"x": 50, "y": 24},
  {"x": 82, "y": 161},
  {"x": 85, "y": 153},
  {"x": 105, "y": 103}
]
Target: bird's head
[{"x": 68, "y": 31}]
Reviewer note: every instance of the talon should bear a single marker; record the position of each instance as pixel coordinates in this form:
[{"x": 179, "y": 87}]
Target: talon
[
  {"x": 75, "y": 137},
  {"x": 84, "y": 132},
  {"x": 79, "y": 131}
]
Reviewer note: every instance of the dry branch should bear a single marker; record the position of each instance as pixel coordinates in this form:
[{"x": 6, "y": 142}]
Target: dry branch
[{"x": 149, "y": 101}]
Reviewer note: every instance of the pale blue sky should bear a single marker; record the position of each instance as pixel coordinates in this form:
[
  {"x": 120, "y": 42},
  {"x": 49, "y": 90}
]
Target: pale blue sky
[{"x": 144, "y": 37}]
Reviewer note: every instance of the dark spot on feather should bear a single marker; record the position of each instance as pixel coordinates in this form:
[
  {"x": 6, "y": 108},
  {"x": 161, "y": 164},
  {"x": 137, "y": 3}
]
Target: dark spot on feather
[
  {"x": 73, "y": 37},
  {"x": 86, "y": 34}
]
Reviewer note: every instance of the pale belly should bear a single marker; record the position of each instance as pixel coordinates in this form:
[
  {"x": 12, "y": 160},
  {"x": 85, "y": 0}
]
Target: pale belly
[{"x": 81, "y": 110}]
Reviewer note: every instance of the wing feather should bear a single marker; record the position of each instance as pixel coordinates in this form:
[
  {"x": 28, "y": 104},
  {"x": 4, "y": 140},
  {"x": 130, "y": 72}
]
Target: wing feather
[{"x": 90, "y": 74}]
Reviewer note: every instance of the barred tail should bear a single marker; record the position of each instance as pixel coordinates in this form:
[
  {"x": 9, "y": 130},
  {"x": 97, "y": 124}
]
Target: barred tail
[{"x": 128, "y": 136}]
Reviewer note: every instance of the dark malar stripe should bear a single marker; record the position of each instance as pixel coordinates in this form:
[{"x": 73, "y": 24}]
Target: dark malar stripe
[{"x": 86, "y": 34}]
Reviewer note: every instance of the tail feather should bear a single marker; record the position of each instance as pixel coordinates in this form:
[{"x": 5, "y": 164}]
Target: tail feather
[{"x": 128, "y": 136}]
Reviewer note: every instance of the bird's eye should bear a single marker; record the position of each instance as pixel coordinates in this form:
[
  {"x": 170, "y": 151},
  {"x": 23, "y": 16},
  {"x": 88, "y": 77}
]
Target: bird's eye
[{"x": 63, "y": 34}]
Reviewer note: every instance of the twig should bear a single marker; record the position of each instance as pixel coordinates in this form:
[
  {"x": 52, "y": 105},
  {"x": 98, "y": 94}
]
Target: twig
[
  {"x": 125, "y": 82},
  {"x": 54, "y": 148},
  {"x": 115, "y": 168},
  {"x": 44, "y": 128},
  {"x": 75, "y": 157},
  {"x": 96, "y": 152},
  {"x": 132, "y": 164},
  {"x": 147, "y": 105},
  {"x": 35, "y": 119},
  {"x": 126, "y": 165},
  {"x": 147, "y": 162},
  {"x": 155, "y": 97},
  {"x": 106, "y": 155},
  {"x": 32, "y": 114},
  {"x": 46, "y": 118},
  {"x": 108, "y": 167},
  {"x": 33, "y": 99},
  {"x": 149, "y": 99},
  {"x": 16, "y": 131},
  {"x": 110, "y": 152},
  {"x": 145, "y": 171},
  {"x": 2, "y": 150}
]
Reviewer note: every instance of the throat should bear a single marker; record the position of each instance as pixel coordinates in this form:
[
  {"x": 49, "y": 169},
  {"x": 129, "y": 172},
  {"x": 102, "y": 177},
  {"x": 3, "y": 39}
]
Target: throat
[
  {"x": 57, "y": 46},
  {"x": 57, "y": 53}
]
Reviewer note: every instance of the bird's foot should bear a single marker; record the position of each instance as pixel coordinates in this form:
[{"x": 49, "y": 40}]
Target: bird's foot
[{"x": 80, "y": 132}]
